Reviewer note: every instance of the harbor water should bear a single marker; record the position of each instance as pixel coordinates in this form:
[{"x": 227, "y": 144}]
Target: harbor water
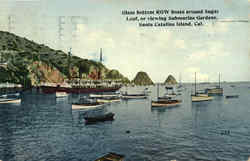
[{"x": 46, "y": 130}]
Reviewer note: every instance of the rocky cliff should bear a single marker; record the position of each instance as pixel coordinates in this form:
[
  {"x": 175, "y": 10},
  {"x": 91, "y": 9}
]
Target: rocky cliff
[
  {"x": 170, "y": 80},
  {"x": 29, "y": 63},
  {"x": 142, "y": 78}
]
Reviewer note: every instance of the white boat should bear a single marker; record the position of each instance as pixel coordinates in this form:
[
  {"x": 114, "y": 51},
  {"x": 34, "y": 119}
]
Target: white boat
[
  {"x": 166, "y": 100},
  {"x": 103, "y": 95},
  {"x": 107, "y": 100},
  {"x": 134, "y": 96},
  {"x": 10, "y": 98},
  {"x": 4, "y": 96},
  {"x": 201, "y": 98},
  {"x": 6, "y": 101},
  {"x": 232, "y": 96},
  {"x": 215, "y": 91},
  {"x": 198, "y": 97},
  {"x": 141, "y": 95},
  {"x": 61, "y": 94},
  {"x": 86, "y": 103},
  {"x": 166, "y": 103},
  {"x": 13, "y": 95},
  {"x": 167, "y": 95},
  {"x": 87, "y": 106}
]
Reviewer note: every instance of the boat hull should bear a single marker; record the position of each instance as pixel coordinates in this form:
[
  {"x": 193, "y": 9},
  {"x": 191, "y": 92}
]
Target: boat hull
[
  {"x": 214, "y": 92},
  {"x": 106, "y": 117},
  {"x": 86, "y": 106},
  {"x": 134, "y": 96},
  {"x": 103, "y": 95},
  {"x": 108, "y": 100},
  {"x": 8, "y": 101},
  {"x": 49, "y": 89},
  {"x": 166, "y": 103},
  {"x": 201, "y": 98},
  {"x": 233, "y": 96},
  {"x": 61, "y": 94}
]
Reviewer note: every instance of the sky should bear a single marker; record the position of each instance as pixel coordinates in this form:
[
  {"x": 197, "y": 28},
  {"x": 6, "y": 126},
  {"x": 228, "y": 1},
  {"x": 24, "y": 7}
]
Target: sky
[{"x": 219, "y": 46}]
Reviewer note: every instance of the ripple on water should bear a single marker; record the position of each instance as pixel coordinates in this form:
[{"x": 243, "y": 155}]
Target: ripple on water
[{"x": 189, "y": 132}]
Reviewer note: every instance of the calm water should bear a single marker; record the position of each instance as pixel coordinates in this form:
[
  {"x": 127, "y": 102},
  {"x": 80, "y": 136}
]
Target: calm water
[{"x": 51, "y": 131}]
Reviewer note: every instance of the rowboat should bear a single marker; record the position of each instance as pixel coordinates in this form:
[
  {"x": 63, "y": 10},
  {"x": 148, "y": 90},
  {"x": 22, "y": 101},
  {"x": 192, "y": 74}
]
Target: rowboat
[
  {"x": 201, "y": 98},
  {"x": 166, "y": 103},
  {"x": 79, "y": 106},
  {"x": 97, "y": 118},
  {"x": 7, "y": 101},
  {"x": 232, "y": 96}
]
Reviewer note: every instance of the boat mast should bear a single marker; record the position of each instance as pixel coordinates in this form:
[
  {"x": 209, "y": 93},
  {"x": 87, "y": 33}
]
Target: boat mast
[
  {"x": 1, "y": 58},
  {"x": 69, "y": 65},
  {"x": 219, "y": 80},
  {"x": 101, "y": 55},
  {"x": 157, "y": 91},
  {"x": 180, "y": 79},
  {"x": 99, "y": 72},
  {"x": 195, "y": 83}
]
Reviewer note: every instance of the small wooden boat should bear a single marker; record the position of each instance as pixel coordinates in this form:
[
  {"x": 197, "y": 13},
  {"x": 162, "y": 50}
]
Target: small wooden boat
[
  {"x": 215, "y": 91},
  {"x": 97, "y": 118},
  {"x": 201, "y": 98},
  {"x": 232, "y": 96},
  {"x": 78, "y": 106},
  {"x": 7, "y": 101},
  {"x": 85, "y": 103},
  {"x": 134, "y": 96},
  {"x": 111, "y": 157},
  {"x": 165, "y": 103},
  {"x": 61, "y": 94},
  {"x": 103, "y": 95},
  {"x": 108, "y": 100}
]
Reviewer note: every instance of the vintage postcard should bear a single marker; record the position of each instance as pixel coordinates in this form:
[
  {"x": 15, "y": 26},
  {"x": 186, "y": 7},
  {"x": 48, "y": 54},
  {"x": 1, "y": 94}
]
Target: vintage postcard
[{"x": 123, "y": 80}]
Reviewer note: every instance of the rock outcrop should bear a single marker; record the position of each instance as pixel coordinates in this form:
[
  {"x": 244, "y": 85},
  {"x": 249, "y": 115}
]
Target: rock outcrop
[
  {"x": 170, "y": 80},
  {"x": 142, "y": 79}
]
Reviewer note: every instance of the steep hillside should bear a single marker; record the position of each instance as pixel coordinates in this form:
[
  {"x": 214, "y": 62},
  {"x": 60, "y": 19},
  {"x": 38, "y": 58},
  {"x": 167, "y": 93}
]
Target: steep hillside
[{"x": 29, "y": 63}]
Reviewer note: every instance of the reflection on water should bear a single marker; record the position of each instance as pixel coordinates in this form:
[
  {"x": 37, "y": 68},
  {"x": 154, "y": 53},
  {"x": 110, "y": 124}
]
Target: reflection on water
[{"x": 46, "y": 128}]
